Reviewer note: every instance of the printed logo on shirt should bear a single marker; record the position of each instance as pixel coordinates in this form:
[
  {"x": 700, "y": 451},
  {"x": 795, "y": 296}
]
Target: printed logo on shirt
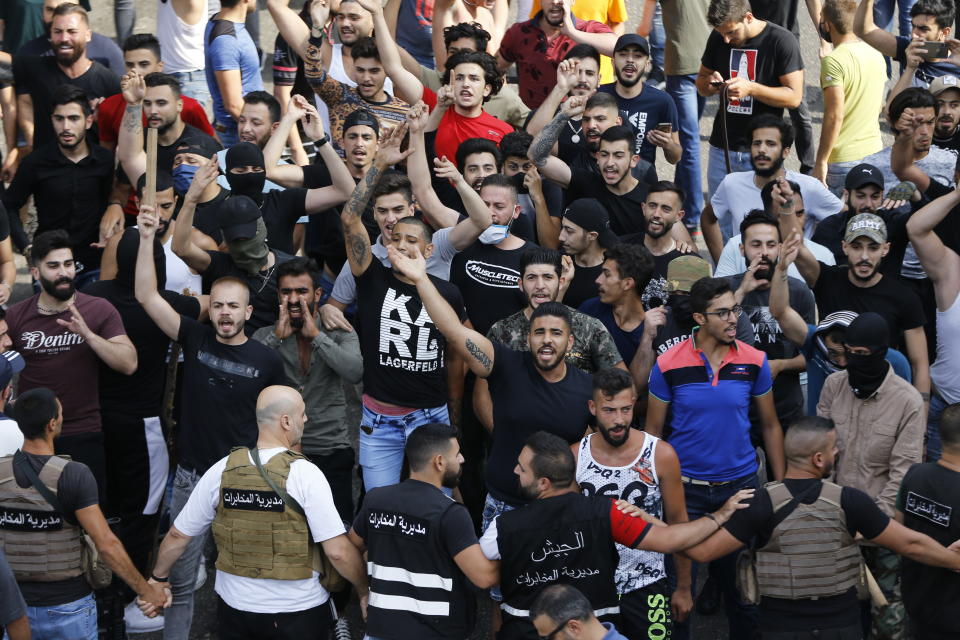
[
  {"x": 227, "y": 366},
  {"x": 406, "y": 343},
  {"x": 492, "y": 275},
  {"x": 743, "y": 64},
  {"x": 938, "y": 514},
  {"x": 399, "y": 524},
  {"x": 251, "y": 500},
  {"x": 12, "y": 519},
  {"x": 739, "y": 370},
  {"x": 40, "y": 343},
  {"x": 639, "y": 122},
  {"x": 765, "y": 327}
]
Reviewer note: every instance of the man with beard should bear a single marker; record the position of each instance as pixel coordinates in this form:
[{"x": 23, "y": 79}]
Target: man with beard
[
  {"x": 101, "y": 48},
  {"x": 648, "y": 109},
  {"x": 70, "y": 181},
  {"x": 623, "y": 463},
  {"x": 563, "y": 537},
  {"x": 584, "y": 235},
  {"x": 538, "y": 45},
  {"x": 880, "y": 427},
  {"x": 37, "y": 78},
  {"x": 318, "y": 362},
  {"x": 223, "y": 374},
  {"x": 820, "y": 599},
  {"x": 417, "y": 539},
  {"x": 709, "y": 381},
  {"x": 860, "y": 286},
  {"x": 946, "y": 90},
  {"x": 771, "y": 138},
  {"x": 577, "y": 75},
  {"x": 64, "y": 335},
  {"x": 258, "y": 121},
  {"x": 761, "y": 246},
  {"x": 662, "y": 210}
]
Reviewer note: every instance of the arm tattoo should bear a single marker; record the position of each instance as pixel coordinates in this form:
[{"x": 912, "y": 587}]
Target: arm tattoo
[
  {"x": 132, "y": 118},
  {"x": 478, "y": 354},
  {"x": 548, "y": 136},
  {"x": 359, "y": 246},
  {"x": 361, "y": 193}
]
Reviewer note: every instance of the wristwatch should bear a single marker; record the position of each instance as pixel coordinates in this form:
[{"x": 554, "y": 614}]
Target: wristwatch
[{"x": 156, "y": 579}]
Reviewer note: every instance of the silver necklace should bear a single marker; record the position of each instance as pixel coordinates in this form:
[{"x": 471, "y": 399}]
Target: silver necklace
[{"x": 575, "y": 138}]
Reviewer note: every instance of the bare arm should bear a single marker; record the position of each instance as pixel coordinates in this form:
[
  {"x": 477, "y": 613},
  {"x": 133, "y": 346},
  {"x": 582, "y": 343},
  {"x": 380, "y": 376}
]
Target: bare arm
[
  {"x": 231, "y": 88},
  {"x": 902, "y": 154},
  {"x": 8, "y": 269},
  {"x": 677, "y": 537},
  {"x": 675, "y": 510},
  {"x": 482, "y": 572},
  {"x": 794, "y": 327},
  {"x": 548, "y": 226},
  {"x": 833, "y": 101},
  {"x": 567, "y": 72},
  {"x": 406, "y": 85},
  {"x": 704, "y": 77},
  {"x": 437, "y": 214},
  {"x": 182, "y": 244},
  {"x": 711, "y": 232},
  {"x": 346, "y": 559},
  {"x": 656, "y": 415},
  {"x": 130, "y": 151},
  {"x": 466, "y": 232},
  {"x": 941, "y": 264},
  {"x": 283, "y": 93},
  {"x": 772, "y": 434},
  {"x": 25, "y": 118},
  {"x": 145, "y": 280},
  {"x": 602, "y": 42},
  {"x": 646, "y": 356},
  {"x": 880, "y": 39},
  {"x": 917, "y": 546},
  {"x": 551, "y": 167},
  {"x": 915, "y": 341},
  {"x": 291, "y": 27}
]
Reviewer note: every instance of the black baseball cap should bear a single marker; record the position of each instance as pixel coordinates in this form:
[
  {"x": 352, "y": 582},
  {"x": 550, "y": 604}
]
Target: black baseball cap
[
  {"x": 862, "y": 175},
  {"x": 590, "y": 215},
  {"x": 360, "y": 117},
  {"x": 237, "y": 217},
  {"x": 11, "y": 363},
  {"x": 628, "y": 39}
]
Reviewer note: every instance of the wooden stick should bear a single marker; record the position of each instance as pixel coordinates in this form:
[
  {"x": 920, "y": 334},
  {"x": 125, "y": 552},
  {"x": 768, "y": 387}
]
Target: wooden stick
[
  {"x": 150, "y": 188},
  {"x": 876, "y": 594}
]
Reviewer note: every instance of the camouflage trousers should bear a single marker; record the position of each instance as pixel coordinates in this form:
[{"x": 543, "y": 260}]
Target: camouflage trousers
[{"x": 889, "y": 622}]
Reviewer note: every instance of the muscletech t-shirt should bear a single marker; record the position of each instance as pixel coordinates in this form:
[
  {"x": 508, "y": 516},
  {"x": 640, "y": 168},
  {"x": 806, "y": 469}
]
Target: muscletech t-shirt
[
  {"x": 221, "y": 383},
  {"x": 60, "y": 360},
  {"x": 645, "y": 112},
  {"x": 764, "y": 58},
  {"x": 403, "y": 351},
  {"x": 488, "y": 278}
]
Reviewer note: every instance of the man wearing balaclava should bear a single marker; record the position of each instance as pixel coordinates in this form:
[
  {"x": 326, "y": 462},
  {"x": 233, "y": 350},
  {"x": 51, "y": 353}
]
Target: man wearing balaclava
[
  {"x": 281, "y": 208},
  {"x": 880, "y": 425}
]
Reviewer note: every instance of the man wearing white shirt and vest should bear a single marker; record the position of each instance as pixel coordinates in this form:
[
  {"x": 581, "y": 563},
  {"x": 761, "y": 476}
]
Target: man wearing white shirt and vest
[
  {"x": 421, "y": 547},
  {"x": 269, "y": 508}
]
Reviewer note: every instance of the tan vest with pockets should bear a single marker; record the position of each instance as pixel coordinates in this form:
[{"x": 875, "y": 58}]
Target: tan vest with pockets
[
  {"x": 810, "y": 554},
  {"x": 257, "y": 535},
  {"x": 40, "y": 545}
]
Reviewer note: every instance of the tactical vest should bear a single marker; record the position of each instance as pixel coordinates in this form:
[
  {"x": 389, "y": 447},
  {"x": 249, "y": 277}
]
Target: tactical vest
[
  {"x": 416, "y": 589},
  {"x": 565, "y": 539},
  {"x": 40, "y": 545},
  {"x": 810, "y": 554},
  {"x": 257, "y": 535}
]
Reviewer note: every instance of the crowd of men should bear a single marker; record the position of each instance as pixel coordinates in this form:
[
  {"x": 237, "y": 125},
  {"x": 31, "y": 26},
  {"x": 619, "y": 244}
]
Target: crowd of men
[{"x": 569, "y": 419}]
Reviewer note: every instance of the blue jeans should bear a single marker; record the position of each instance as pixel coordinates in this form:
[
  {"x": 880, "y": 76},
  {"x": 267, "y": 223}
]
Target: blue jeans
[
  {"x": 228, "y": 138},
  {"x": 717, "y": 171},
  {"x": 193, "y": 84},
  {"x": 837, "y": 175},
  {"x": 183, "y": 574},
  {"x": 491, "y": 509},
  {"x": 937, "y": 405},
  {"x": 883, "y": 15},
  {"x": 741, "y": 617},
  {"x": 683, "y": 90},
  {"x": 383, "y": 438},
  {"x": 124, "y": 15},
  {"x": 75, "y": 620},
  {"x": 657, "y": 38}
]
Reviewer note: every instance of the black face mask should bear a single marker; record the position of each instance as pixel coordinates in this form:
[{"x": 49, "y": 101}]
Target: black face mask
[
  {"x": 824, "y": 33},
  {"x": 682, "y": 312},
  {"x": 867, "y": 372},
  {"x": 246, "y": 154}
]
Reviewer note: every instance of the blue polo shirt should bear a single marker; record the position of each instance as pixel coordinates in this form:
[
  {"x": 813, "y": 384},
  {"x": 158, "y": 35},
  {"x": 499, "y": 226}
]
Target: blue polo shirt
[{"x": 711, "y": 428}]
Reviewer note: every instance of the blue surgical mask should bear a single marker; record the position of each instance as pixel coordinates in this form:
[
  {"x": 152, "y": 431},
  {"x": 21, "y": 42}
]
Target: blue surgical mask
[
  {"x": 494, "y": 234},
  {"x": 183, "y": 177}
]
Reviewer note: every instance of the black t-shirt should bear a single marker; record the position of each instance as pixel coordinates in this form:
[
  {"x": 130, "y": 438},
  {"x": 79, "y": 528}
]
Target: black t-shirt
[
  {"x": 769, "y": 338},
  {"x": 772, "y": 53},
  {"x": 403, "y": 351},
  {"x": 583, "y": 286},
  {"x": 671, "y": 333},
  {"x": 778, "y": 614},
  {"x": 951, "y": 142},
  {"x": 892, "y": 299},
  {"x": 40, "y": 76},
  {"x": 205, "y": 215},
  {"x": 949, "y": 228},
  {"x": 281, "y": 209},
  {"x": 779, "y": 12},
  {"x": 830, "y": 230},
  {"x": 577, "y": 157},
  {"x": 524, "y": 403},
  {"x": 263, "y": 286},
  {"x": 656, "y": 293},
  {"x": 928, "y": 497},
  {"x": 76, "y": 489},
  {"x": 626, "y": 215},
  {"x": 141, "y": 393},
  {"x": 166, "y": 153},
  {"x": 489, "y": 281},
  {"x": 220, "y": 387}
]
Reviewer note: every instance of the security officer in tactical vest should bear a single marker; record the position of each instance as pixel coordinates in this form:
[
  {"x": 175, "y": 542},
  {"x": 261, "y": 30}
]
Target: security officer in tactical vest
[
  {"x": 564, "y": 537},
  {"x": 413, "y": 529},
  {"x": 805, "y": 570},
  {"x": 47, "y": 502},
  {"x": 269, "y": 508}
]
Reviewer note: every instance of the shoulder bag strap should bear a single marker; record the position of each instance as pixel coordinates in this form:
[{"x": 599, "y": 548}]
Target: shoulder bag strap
[
  {"x": 287, "y": 499},
  {"x": 20, "y": 461}
]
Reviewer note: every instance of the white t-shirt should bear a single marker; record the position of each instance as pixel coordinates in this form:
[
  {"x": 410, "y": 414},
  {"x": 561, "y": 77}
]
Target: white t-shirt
[
  {"x": 307, "y": 485},
  {"x": 732, "y": 262},
  {"x": 11, "y": 438},
  {"x": 737, "y": 195}
]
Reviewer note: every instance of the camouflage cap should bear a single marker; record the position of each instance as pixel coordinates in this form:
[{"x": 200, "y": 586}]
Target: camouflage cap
[
  {"x": 866, "y": 224},
  {"x": 682, "y": 272}
]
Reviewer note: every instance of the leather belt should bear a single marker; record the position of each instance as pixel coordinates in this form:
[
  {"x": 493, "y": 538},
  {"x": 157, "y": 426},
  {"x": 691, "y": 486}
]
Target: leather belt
[{"x": 703, "y": 483}]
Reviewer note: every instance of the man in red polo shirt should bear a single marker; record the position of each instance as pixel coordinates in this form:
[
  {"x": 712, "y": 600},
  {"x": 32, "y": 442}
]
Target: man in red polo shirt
[{"x": 539, "y": 44}]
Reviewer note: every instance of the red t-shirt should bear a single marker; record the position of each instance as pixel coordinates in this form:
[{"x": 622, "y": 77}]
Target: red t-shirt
[
  {"x": 60, "y": 360},
  {"x": 455, "y": 128},
  {"x": 110, "y": 115},
  {"x": 537, "y": 59},
  {"x": 627, "y": 530}
]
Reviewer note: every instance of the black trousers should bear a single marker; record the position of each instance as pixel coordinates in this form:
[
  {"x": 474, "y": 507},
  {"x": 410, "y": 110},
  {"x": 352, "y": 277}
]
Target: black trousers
[
  {"x": 836, "y": 633},
  {"x": 299, "y": 625},
  {"x": 88, "y": 449},
  {"x": 337, "y": 466}
]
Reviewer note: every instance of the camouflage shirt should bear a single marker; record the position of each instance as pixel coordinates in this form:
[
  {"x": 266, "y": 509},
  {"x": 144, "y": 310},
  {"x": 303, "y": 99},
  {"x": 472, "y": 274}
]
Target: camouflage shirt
[{"x": 593, "y": 347}]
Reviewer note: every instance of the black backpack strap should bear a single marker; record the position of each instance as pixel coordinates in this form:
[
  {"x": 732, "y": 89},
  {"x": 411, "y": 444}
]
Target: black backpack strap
[
  {"x": 287, "y": 499},
  {"x": 781, "y": 514},
  {"x": 20, "y": 462}
]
